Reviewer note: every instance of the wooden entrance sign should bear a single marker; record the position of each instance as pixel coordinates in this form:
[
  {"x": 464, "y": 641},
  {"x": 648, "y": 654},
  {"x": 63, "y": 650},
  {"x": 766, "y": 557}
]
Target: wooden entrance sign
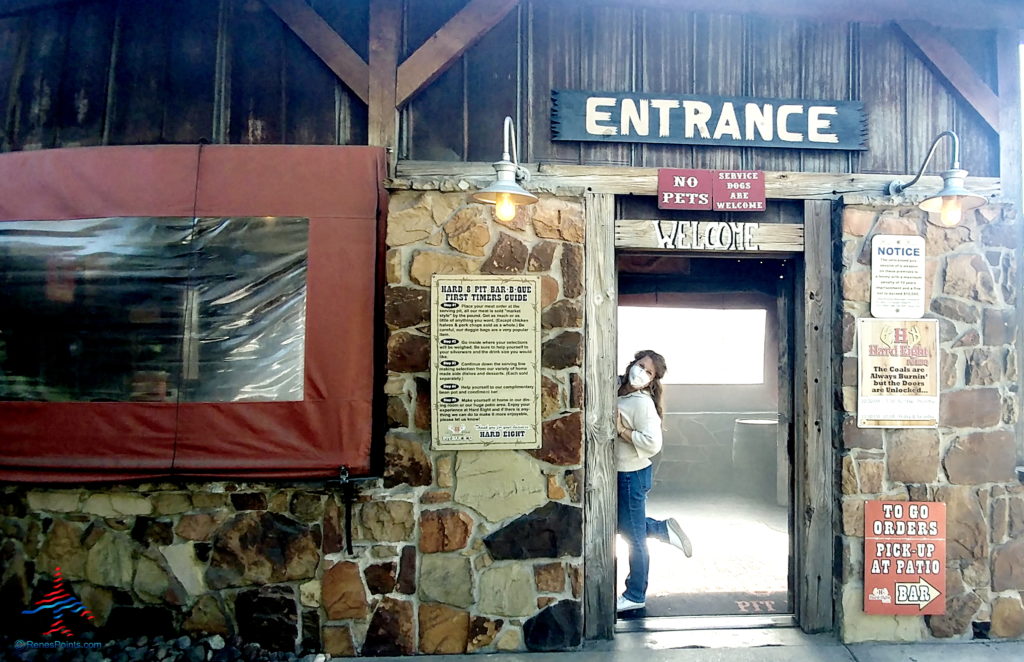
[{"x": 717, "y": 236}]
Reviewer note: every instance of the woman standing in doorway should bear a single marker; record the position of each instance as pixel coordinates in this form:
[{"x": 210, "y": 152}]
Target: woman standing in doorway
[{"x": 639, "y": 426}]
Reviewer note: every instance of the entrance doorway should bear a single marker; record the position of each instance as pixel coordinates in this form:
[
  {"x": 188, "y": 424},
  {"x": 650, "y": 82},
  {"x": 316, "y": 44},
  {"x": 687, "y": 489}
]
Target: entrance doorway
[{"x": 724, "y": 473}]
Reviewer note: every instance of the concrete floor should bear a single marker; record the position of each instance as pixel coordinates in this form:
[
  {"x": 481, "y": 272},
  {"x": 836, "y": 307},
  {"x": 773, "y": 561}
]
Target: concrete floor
[{"x": 740, "y": 545}]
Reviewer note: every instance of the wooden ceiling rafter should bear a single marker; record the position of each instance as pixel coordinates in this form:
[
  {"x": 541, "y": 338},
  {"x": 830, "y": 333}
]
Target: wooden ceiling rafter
[
  {"x": 327, "y": 44},
  {"x": 952, "y": 66}
]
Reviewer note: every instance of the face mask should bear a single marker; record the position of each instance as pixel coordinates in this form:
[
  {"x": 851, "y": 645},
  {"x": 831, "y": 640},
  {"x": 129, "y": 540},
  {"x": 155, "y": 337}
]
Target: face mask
[{"x": 638, "y": 377}]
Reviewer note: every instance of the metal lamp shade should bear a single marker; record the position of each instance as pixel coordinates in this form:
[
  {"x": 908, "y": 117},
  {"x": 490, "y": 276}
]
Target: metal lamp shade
[
  {"x": 952, "y": 187},
  {"x": 505, "y": 184}
]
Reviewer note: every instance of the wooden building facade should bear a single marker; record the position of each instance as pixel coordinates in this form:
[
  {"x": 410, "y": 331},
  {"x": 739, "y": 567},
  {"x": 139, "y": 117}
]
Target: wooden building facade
[{"x": 466, "y": 551}]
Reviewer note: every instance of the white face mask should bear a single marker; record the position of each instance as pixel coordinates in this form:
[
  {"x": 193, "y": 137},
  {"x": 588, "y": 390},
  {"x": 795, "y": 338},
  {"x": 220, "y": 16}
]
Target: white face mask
[{"x": 638, "y": 377}]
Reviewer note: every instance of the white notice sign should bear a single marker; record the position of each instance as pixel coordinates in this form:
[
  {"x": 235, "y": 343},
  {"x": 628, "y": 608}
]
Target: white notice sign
[
  {"x": 485, "y": 362},
  {"x": 897, "y": 276}
]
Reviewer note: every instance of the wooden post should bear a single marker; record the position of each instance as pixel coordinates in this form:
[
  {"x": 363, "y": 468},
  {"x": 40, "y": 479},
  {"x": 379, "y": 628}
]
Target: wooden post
[
  {"x": 599, "y": 506},
  {"x": 814, "y": 465},
  {"x": 385, "y": 31}
]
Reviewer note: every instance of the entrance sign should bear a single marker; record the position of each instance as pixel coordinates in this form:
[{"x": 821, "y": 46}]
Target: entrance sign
[
  {"x": 898, "y": 373},
  {"x": 709, "y": 236},
  {"x": 707, "y": 120},
  {"x": 904, "y": 557},
  {"x": 703, "y": 190},
  {"x": 897, "y": 276},
  {"x": 485, "y": 362}
]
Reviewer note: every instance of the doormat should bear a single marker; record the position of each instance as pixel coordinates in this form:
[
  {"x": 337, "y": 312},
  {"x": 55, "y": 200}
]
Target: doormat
[{"x": 713, "y": 604}]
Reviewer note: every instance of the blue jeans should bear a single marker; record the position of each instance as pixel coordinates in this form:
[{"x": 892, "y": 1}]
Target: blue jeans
[{"x": 636, "y": 527}]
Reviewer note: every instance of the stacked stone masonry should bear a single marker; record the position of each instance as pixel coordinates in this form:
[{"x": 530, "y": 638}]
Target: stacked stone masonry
[
  {"x": 451, "y": 552},
  {"x": 968, "y": 462}
]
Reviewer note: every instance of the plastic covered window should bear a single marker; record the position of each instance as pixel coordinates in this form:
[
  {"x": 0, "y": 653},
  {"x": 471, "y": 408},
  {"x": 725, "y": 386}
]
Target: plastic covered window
[{"x": 153, "y": 309}]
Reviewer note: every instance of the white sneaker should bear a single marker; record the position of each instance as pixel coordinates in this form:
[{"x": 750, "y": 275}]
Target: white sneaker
[
  {"x": 677, "y": 538},
  {"x": 624, "y": 604}
]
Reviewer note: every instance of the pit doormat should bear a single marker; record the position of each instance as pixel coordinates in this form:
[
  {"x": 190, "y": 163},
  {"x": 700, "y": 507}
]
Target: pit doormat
[{"x": 713, "y": 604}]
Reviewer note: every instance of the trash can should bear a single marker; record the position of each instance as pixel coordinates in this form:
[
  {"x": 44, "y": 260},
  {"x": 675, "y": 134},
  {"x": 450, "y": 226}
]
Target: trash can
[{"x": 754, "y": 466}]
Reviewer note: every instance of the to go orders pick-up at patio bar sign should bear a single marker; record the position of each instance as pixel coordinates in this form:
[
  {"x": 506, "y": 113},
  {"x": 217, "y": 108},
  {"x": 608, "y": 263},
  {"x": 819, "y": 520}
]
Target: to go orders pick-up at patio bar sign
[{"x": 707, "y": 120}]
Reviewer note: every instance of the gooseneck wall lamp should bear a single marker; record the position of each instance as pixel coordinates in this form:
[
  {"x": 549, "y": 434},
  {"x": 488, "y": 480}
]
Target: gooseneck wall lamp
[
  {"x": 953, "y": 199},
  {"x": 505, "y": 193}
]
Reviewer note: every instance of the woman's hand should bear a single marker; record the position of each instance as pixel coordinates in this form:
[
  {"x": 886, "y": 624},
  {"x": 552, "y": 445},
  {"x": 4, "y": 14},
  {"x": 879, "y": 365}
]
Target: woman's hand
[{"x": 621, "y": 427}]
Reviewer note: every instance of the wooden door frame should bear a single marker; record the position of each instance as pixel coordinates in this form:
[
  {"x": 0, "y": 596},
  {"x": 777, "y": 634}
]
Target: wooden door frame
[{"x": 813, "y": 461}]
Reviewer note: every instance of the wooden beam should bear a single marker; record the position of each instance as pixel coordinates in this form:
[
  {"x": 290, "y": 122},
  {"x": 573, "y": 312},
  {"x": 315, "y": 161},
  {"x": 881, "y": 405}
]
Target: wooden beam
[
  {"x": 385, "y": 32},
  {"x": 446, "y": 45},
  {"x": 954, "y": 68},
  {"x": 334, "y": 51},
  {"x": 814, "y": 463},
  {"x": 576, "y": 180},
  {"x": 599, "y": 507}
]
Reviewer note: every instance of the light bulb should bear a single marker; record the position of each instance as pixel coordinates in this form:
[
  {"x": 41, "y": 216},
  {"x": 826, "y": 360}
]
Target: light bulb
[
  {"x": 951, "y": 211},
  {"x": 504, "y": 208}
]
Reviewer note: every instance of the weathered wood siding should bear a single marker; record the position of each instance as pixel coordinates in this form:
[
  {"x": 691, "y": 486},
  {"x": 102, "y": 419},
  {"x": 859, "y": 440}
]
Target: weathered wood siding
[{"x": 229, "y": 71}]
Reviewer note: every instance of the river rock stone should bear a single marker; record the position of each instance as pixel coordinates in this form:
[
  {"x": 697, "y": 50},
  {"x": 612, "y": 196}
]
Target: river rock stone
[
  {"x": 307, "y": 506},
  {"x": 549, "y": 577},
  {"x": 333, "y": 536},
  {"x": 391, "y": 629},
  {"x": 498, "y": 484},
  {"x": 982, "y": 457},
  {"x": 913, "y": 455},
  {"x": 563, "y": 351},
  {"x": 150, "y": 532},
  {"x": 406, "y": 306},
  {"x": 469, "y": 230},
  {"x": 423, "y": 416},
  {"x": 397, "y": 413},
  {"x": 508, "y": 256},
  {"x": 337, "y": 640},
  {"x": 856, "y": 285},
  {"x": 393, "y": 266},
  {"x": 447, "y": 579},
  {"x": 408, "y": 352},
  {"x": 380, "y": 578},
  {"x": 969, "y": 277},
  {"x": 562, "y": 441},
  {"x": 566, "y": 313},
  {"x": 185, "y": 566},
  {"x": 858, "y": 626},
  {"x": 984, "y": 366},
  {"x": 955, "y": 310},
  {"x": 855, "y": 437},
  {"x": 63, "y": 549},
  {"x": 550, "y": 397},
  {"x": 405, "y": 461},
  {"x": 1007, "y": 618},
  {"x": 427, "y": 263},
  {"x": 54, "y": 501},
  {"x": 387, "y": 521},
  {"x": 268, "y": 616},
  {"x": 206, "y": 616},
  {"x": 857, "y": 221},
  {"x": 444, "y": 530},
  {"x": 960, "y": 610},
  {"x": 507, "y": 590},
  {"x": 407, "y": 571},
  {"x": 998, "y": 327},
  {"x": 966, "y": 529},
  {"x": 198, "y": 526},
  {"x": 542, "y": 256},
  {"x": 261, "y": 548},
  {"x": 151, "y": 582},
  {"x": 557, "y": 628},
  {"x": 109, "y": 562},
  {"x": 547, "y": 220},
  {"x": 482, "y": 632},
  {"x": 572, "y": 270},
  {"x": 552, "y": 531},
  {"x": 407, "y": 226},
  {"x": 443, "y": 630},
  {"x": 970, "y": 408},
  {"x": 343, "y": 594},
  {"x": 548, "y": 291},
  {"x": 1008, "y": 567}
]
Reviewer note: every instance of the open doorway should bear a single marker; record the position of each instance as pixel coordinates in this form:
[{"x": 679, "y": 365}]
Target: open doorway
[{"x": 724, "y": 473}]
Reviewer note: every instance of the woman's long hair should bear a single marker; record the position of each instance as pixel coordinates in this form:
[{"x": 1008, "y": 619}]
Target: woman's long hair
[{"x": 654, "y": 387}]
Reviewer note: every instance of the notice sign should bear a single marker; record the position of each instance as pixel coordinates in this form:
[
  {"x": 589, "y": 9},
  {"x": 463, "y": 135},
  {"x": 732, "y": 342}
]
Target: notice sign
[
  {"x": 904, "y": 557},
  {"x": 485, "y": 362},
  {"x": 739, "y": 190},
  {"x": 898, "y": 373},
  {"x": 897, "y": 276}
]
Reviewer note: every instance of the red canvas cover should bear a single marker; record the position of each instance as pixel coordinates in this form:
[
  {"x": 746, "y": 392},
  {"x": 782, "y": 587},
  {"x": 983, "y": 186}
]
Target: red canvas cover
[{"x": 340, "y": 190}]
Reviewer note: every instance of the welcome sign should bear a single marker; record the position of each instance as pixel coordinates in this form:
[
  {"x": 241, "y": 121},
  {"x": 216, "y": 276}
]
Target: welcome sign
[{"x": 707, "y": 120}]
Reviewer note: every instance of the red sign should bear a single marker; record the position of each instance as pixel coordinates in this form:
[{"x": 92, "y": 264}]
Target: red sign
[
  {"x": 904, "y": 557},
  {"x": 684, "y": 189},
  {"x": 739, "y": 190}
]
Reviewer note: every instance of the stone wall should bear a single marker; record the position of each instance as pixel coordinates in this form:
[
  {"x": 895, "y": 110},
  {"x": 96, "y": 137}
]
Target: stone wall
[
  {"x": 968, "y": 462},
  {"x": 451, "y": 552}
]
